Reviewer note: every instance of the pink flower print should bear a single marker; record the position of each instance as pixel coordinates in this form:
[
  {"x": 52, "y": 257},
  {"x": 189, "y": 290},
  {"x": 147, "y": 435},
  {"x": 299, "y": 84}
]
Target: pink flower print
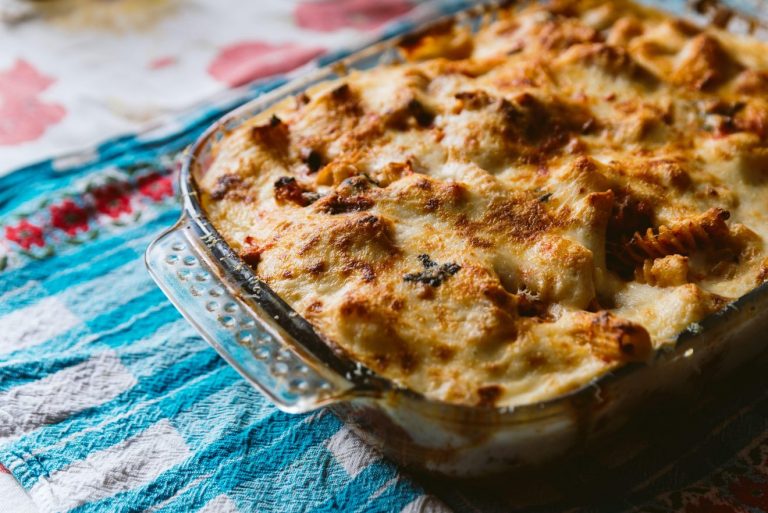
[
  {"x": 23, "y": 116},
  {"x": 246, "y": 61},
  {"x": 330, "y": 15}
]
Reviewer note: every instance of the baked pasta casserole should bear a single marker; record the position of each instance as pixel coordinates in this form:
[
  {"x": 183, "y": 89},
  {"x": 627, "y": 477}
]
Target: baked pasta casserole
[{"x": 507, "y": 214}]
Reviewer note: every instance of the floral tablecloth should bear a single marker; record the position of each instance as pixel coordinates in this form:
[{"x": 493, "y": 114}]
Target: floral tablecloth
[
  {"x": 76, "y": 72},
  {"x": 97, "y": 97}
]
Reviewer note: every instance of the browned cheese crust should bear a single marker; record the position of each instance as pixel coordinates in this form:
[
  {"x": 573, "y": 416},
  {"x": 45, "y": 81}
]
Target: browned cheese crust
[{"x": 510, "y": 214}]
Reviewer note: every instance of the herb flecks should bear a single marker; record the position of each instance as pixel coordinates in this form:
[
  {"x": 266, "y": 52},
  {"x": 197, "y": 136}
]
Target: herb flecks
[{"x": 433, "y": 274}]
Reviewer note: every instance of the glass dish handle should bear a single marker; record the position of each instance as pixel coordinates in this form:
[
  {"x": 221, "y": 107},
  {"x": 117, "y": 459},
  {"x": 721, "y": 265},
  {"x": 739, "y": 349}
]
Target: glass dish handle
[{"x": 177, "y": 262}]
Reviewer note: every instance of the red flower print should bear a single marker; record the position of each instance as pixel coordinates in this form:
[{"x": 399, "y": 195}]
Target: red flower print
[
  {"x": 244, "y": 62},
  {"x": 69, "y": 217},
  {"x": 751, "y": 493},
  {"x": 155, "y": 186},
  {"x": 330, "y": 15},
  {"x": 23, "y": 117},
  {"x": 25, "y": 234},
  {"x": 112, "y": 200}
]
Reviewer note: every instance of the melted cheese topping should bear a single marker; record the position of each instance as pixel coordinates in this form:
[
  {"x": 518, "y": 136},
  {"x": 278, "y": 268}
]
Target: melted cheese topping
[{"x": 510, "y": 214}]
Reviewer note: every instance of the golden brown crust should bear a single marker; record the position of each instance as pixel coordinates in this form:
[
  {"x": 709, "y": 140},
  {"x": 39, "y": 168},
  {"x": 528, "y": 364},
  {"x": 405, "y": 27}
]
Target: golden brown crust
[{"x": 511, "y": 214}]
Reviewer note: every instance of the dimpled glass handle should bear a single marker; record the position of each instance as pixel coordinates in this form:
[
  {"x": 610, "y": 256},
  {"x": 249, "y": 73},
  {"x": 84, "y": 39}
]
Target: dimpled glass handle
[{"x": 241, "y": 336}]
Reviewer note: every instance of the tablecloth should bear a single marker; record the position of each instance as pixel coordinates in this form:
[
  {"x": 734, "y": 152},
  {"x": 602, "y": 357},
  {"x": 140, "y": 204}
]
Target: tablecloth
[
  {"x": 76, "y": 72},
  {"x": 109, "y": 401}
]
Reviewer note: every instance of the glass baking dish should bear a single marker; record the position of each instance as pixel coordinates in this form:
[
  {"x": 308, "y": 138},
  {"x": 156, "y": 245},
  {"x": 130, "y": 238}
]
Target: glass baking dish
[{"x": 279, "y": 352}]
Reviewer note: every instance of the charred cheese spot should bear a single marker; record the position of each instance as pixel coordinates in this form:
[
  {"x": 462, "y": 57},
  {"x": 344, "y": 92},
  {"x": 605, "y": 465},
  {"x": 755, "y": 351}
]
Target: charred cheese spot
[
  {"x": 489, "y": 394},
  {"x": 520, "y": 219},
  {"x": 364, "y": 231},
  {"x": 251, "y": 251},
  {"x": 251, "y": 256},
  {"x": 413, "y": 112},
  {"x": 312, "y": 158},
  {"x": 273, "y": 136},
  {"x": 288, "y": 190},
  {"x": 618, "y": 339},
  {"x": 224, "y": 184},
  {"x": 342, "y": 204},
  {"x": 443, "y": 353},
  {"x": 505, "y": 216},
  {"x": 317, "y": 267}
]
